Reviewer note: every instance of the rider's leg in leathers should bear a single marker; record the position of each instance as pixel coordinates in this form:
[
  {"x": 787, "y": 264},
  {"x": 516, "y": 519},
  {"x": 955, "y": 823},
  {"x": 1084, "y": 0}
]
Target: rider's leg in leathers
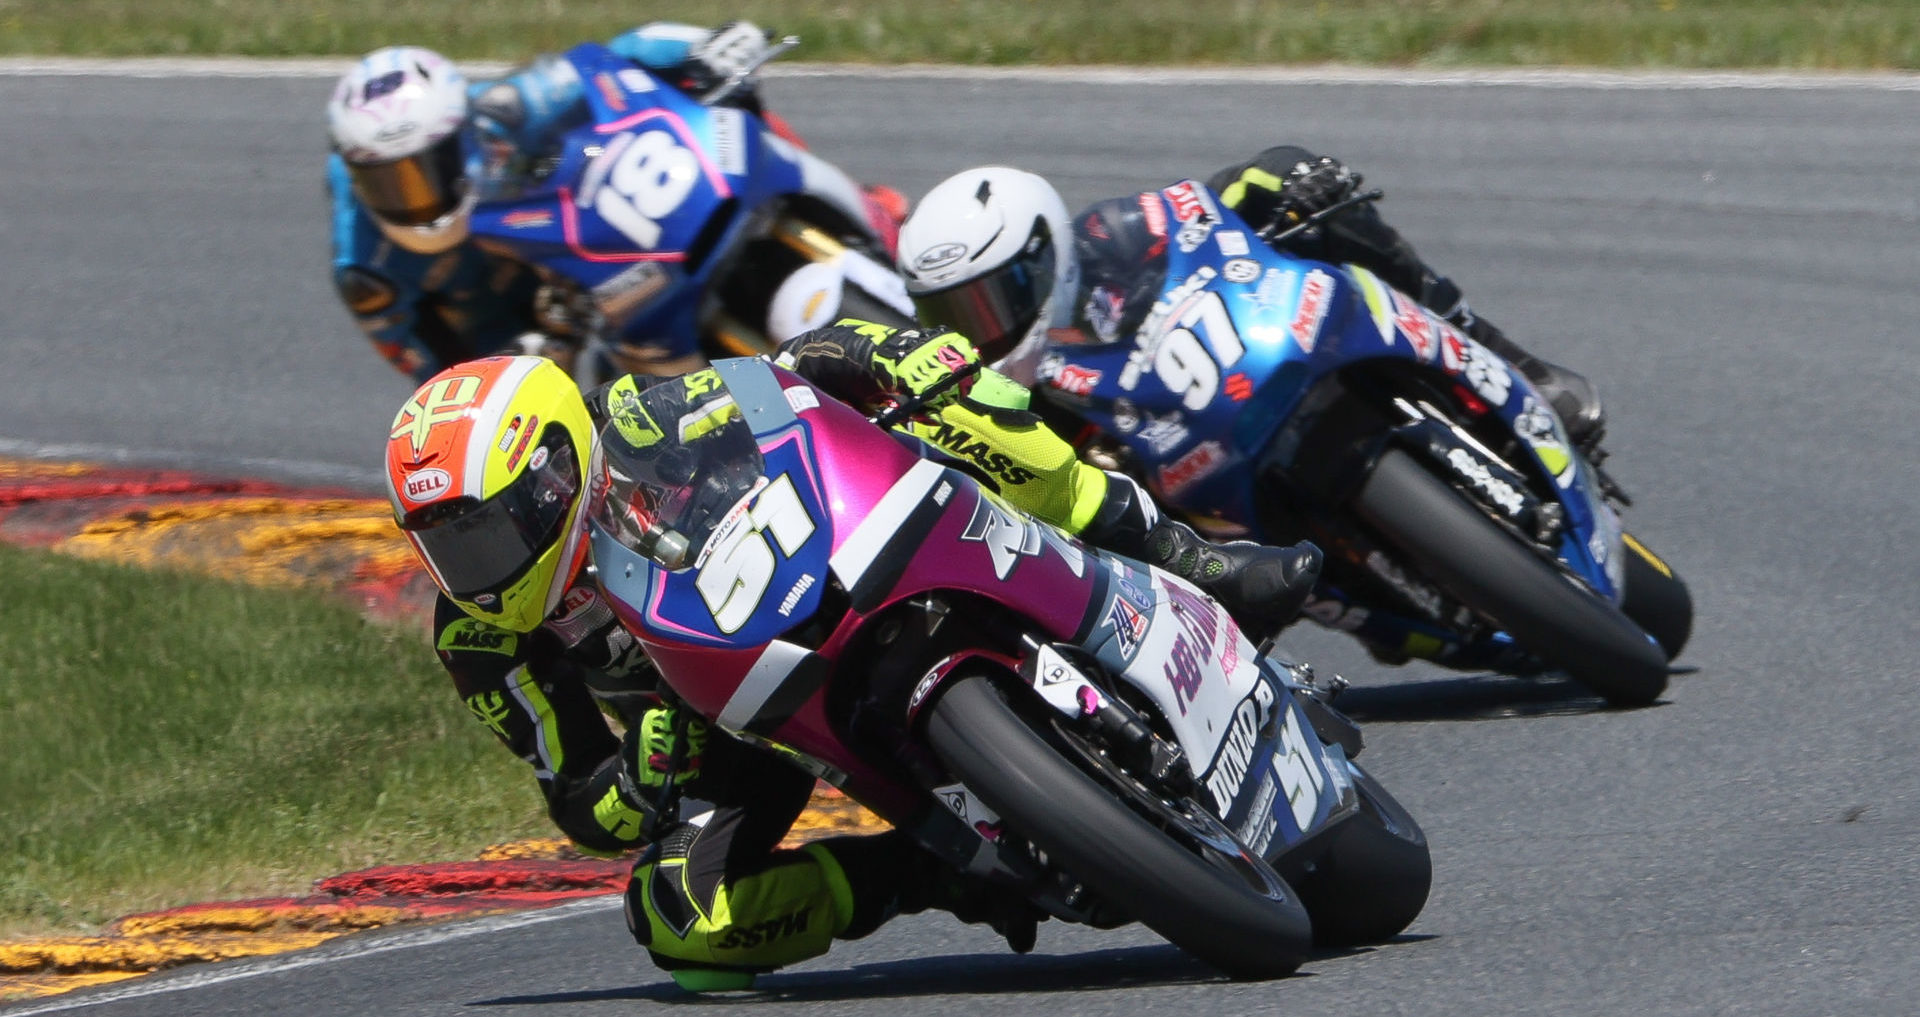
[
  {"x": 1036, "y": 469},
  {"x": 716, "y": 900}
]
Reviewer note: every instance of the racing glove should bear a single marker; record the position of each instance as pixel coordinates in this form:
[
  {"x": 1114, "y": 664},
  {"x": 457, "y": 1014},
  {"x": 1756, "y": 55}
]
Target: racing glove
[
  {"x": 731, "y": 49},
  {"x": 665, "y": 735},
  {"x": 1307, "y": 188},
  {"x": 921, "y": 363}
]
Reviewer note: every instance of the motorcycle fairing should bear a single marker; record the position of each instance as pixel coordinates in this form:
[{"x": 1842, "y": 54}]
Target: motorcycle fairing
[{"x": 643, "y": 192}]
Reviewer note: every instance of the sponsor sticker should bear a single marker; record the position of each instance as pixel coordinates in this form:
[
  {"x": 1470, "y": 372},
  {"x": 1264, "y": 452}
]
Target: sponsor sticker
[
  {"x": 635, "y": 79},
  {"x": 610, "y": 90},
  {"x": 1205, "y": 458},
  {"x": 1316, "y": 294},
  {"x": 729, "y": 147},
  {"x": 939, "y": 256},
  {"x": 801, "y": 398},
  {"x": 425, "y": 485},
  {"x": 622, "y": 293},
  {"x": 1417, "y": 325},
  {"x": 527, "y": 219},
  {"x": 1164, "y": 434},
  {"x": 1076, "y": 380},
  {"x": 1240, "y": 270},
  {"x": 1129, "y": 625}
]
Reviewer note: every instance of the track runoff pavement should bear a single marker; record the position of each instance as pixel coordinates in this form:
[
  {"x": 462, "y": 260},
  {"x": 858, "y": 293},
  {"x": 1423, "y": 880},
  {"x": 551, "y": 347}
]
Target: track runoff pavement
[{"x": 1730, "y": 256}]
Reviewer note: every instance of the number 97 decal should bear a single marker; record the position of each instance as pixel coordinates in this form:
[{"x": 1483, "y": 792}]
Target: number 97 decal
[{"x": 738, "y": 564}]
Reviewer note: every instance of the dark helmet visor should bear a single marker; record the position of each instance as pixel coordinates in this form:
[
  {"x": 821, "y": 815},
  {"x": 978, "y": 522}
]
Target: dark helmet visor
[
  {"x": 414, "y": 190},
  {"x": 488, "y": 547},
  {"x": 996, "y": 310}
]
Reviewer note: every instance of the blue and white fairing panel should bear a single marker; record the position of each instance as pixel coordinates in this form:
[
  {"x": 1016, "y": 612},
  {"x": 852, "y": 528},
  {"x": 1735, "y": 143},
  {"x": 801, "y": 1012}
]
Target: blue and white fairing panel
[
  {"x": 653, "y": 182},
  {"x": 1250, "y": 744},
  {"x": 760, "y": 572}
]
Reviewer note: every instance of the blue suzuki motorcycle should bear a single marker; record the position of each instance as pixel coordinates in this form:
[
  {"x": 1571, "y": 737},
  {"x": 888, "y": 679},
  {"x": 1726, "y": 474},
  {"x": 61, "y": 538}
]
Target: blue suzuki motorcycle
[
  {"x": 1277, "y": 398},
  {"x": 686, "y": 231}
]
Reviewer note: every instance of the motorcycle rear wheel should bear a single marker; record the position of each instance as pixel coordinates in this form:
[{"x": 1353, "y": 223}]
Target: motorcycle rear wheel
[
  {"x": 1372, "y": 879},
  {"x": 1198, "y": 903},
  {"x": 1457, "y": 546}
]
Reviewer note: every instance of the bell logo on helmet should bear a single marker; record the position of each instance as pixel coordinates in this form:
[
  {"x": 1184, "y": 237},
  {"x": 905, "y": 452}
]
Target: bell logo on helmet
[
  {"x": 426, "y": 484},
  {"x": 443, "y": 401},
  {"x": 939, "y": 256}
]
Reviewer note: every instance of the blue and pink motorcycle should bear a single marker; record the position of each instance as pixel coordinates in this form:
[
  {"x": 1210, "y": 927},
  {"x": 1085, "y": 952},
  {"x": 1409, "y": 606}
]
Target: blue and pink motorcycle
[
  {"x": 683, "y": 230},
  {"x": 1090, "y": 732},
  {"x": 1277, "y": 398}
]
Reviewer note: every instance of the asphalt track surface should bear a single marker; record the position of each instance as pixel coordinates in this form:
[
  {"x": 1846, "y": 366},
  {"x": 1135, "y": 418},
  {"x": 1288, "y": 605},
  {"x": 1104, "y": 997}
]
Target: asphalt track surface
[{"x": 1736, "y": 265}]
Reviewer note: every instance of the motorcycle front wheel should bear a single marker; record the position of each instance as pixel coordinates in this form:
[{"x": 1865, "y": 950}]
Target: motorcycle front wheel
[
  {"x": 1656, "y": 598},
  {"x": 1232, "y": 912},
  {"x": 1456, "y": 546},
  {"x": 1371, "y": 880}
]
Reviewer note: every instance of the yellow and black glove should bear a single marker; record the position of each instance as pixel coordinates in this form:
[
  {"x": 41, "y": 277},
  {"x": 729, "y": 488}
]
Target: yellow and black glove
[{"x": 936, "y": 367}]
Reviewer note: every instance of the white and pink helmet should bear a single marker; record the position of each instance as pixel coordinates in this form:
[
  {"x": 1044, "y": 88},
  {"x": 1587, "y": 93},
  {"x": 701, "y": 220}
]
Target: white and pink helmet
[{"x": 397, "y": 119}]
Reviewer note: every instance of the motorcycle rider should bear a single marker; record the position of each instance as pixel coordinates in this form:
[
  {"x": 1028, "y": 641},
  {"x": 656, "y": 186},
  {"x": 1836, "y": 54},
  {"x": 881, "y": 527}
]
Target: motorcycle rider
[
  {"x": 486, "y": 475},
  {"x": 416, "y": 146},
  {"x": 1039, "y": 280}
]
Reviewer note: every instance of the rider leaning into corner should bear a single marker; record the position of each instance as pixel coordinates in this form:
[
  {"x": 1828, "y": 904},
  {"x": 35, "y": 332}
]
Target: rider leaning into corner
[
  {"x": 485, "y": 470},
  {"x": 989, "y": 252},
  {"x": 416, "y": 146}
]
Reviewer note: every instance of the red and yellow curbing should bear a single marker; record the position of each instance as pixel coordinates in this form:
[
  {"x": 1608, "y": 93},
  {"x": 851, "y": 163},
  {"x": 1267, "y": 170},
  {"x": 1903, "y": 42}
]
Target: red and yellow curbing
[{"x": 278, "y": 535}]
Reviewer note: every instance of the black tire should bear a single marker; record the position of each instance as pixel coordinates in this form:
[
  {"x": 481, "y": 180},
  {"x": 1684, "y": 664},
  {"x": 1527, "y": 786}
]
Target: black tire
[
  {"x": 1657, "y": 599},
  {"x": 1040, "y": 794},
  {"x": 1372, "y": 879},
  {"x": 1456, "y": 546}
]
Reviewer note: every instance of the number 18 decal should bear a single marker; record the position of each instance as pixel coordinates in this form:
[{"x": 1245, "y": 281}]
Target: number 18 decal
[
  {"x": 738, "y": 565},
  {"x": 651, "y": 174}
]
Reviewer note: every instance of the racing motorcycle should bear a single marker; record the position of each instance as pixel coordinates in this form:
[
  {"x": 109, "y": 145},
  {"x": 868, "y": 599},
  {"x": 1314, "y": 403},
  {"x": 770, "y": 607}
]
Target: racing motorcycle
[
  {"x": 669, "y": 230},
  {"x": 1274, "y": 397},
  {"x": 1093, "y": 733}
]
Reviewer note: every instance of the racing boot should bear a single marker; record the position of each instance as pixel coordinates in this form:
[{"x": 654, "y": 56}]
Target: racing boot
[
  {"x": 892, "y": 870},
  {"x": 1574, "y": 399},
  {"x": 1263, "y": 587}
]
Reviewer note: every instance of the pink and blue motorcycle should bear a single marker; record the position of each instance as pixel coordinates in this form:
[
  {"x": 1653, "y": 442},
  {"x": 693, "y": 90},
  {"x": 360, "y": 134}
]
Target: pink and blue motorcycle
[
  {"x": 1278, "y": 398},
  {"x": 678, "y": 230},
  {"x": 1091, "y": 732}
]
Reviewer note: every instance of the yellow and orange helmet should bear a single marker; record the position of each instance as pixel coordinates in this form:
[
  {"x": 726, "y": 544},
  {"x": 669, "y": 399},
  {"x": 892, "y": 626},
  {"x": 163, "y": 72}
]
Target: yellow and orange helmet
[{"x": 484, "y": 470}]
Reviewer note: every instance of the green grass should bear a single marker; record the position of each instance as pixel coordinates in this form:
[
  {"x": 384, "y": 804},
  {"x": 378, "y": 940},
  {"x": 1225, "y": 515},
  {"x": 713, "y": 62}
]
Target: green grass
[
  {"x": 1798, "y": 34},
  {"x": 169, "y": 738}
]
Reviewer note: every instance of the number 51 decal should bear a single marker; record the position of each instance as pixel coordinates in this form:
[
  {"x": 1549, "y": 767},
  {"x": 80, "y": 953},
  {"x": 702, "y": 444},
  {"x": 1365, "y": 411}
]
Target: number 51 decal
[{"x": 738, "y": 563}]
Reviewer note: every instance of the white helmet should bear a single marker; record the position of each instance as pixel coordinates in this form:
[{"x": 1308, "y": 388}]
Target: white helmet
[
  {"x": 989, "y": 253},
  {"x": 397, "y": 119}
]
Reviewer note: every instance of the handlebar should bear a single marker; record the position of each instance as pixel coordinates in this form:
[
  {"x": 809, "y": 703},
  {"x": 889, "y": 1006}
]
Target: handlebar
[
  {"x": 738, "y": 78},
  {"x": 1267, "y": 233}
]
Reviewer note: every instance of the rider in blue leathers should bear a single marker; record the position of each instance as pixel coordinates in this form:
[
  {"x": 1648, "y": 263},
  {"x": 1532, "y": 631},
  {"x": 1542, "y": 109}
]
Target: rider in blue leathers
[{"x": 416, "y": 145}]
